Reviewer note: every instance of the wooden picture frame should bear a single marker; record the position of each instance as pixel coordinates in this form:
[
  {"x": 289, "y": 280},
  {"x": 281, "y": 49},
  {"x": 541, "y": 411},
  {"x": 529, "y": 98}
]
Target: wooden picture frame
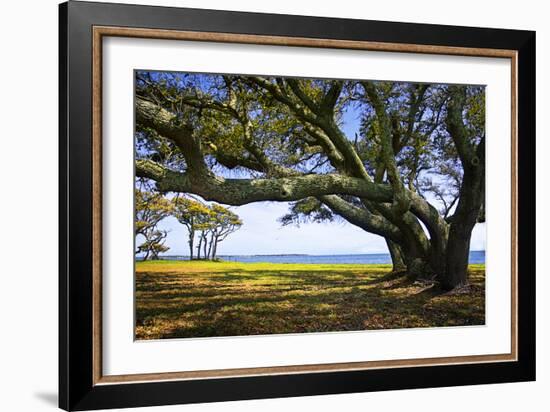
[{"x": 82, "y": 385}]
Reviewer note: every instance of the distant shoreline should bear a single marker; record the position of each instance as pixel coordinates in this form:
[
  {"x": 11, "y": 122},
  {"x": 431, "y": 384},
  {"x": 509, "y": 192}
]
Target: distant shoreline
[
  {"x": 476, "y": 257},
  {"x": 300, "y": 254}
]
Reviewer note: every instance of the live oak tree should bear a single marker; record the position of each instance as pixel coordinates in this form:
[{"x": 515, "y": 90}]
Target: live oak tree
[
  {"x": 151, "y": 208},
  {"x": 413, "y": 172}
]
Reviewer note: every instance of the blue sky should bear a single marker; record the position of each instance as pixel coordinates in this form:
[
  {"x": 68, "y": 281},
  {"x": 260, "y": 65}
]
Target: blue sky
[{"x": 262, "y": 234}]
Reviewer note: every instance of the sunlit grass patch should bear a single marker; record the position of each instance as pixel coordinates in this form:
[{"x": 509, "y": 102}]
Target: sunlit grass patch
[{"x": 176, "y": 299}]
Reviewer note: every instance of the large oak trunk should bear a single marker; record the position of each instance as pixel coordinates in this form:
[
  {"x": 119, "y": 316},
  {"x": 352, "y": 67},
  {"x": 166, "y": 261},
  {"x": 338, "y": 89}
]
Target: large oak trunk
[
  {"x": 448, "y": 257},
  {"x": 462, "y": 224},
  {"x": 458, "y": 250}
]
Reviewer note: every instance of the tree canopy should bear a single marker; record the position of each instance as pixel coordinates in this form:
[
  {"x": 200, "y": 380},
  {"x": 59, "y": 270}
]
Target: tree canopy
[
  {"x": 151, "y": 208},
  {"x": 210, "y": 223},
  {"x": 412, "y": 172}
]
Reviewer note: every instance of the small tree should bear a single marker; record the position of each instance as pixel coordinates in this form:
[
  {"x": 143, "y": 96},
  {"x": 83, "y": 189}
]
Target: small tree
[
  {"x": 189, "y": 213},
  {"x": 151, "y": 208},
  {"x": 224, "y": 222},
  {"x": 209, "y": 224},
  {"x": 205, "y": 226},
  {"x": 154, "y": 245}
]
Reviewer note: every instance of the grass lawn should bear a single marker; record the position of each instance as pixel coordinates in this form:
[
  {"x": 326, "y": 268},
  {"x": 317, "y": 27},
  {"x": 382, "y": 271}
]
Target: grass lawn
[{"x": 199, "y": 299}]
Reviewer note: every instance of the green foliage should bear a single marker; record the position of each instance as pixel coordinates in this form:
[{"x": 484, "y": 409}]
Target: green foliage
[
  {"x": 223, "y": 219},
  {"x": 240, "y": 122},
  {"x": 207, "y": 225},
  {"x": 151, "y": 208},
  {"x": 475, "y": 113},
  {"x": 307, "y": 210},
  {"x": 189, "y": 212},
  {"x": 210, "y": 223}
]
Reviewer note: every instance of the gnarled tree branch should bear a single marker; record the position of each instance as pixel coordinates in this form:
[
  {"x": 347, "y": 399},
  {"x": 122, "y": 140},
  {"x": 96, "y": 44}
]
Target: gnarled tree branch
[{"x": 242, "y": 191}]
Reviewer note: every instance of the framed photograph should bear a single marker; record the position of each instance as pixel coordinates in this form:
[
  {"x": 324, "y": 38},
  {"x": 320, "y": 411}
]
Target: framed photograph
[{"x": 257, "y": 206}]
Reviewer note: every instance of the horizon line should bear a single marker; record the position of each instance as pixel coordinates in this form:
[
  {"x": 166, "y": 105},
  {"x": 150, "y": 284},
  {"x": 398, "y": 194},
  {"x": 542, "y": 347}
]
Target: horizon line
[{"x": 307, "y": 254}]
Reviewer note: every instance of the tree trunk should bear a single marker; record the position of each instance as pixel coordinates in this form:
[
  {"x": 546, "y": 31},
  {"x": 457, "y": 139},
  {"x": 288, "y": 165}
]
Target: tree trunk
[
  {"x": 396, "y": 256},
  {"x": 211, "y": 247},
  {"x": 419, "y": 268},
  {"x": 191, "y": 241},
  {"x": 215, "y": 249},
  {"x": 462, "y": 224},
  {"x": 199, "y": 247},
  {"x": 205, "y": 244},
  {"x": 458, "y": 251}
]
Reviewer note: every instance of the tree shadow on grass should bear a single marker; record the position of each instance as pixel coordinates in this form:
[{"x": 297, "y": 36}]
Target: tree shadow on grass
[
  {"x": 293, "y": 303},
  {"x": 156, "y": 281}
]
